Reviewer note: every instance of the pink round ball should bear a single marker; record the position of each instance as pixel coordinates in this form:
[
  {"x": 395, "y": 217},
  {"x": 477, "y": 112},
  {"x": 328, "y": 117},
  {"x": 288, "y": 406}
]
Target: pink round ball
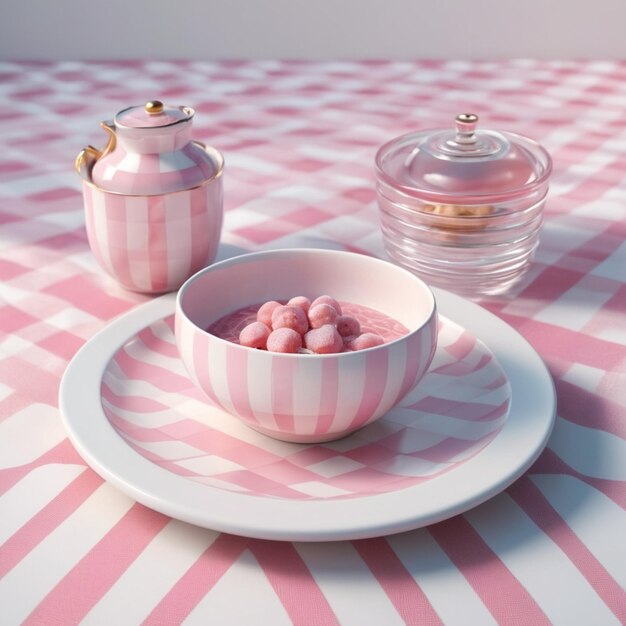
[
  {"x": 285, "y": 340},
  {"x": 290, "y": 317},
  {"x": 348, "y": 325},
  {"x": 254, "y": 335},
  {"x": 366, "y": 340},
  {"x": 264, "y": 314},
  {"x": 328, "y": 300},
  {"x": 323, "y": 340},
  {"x": 322, "y": 314},
  {"x": 301, "y": 302},
  {"x": 347, "y": 341}
]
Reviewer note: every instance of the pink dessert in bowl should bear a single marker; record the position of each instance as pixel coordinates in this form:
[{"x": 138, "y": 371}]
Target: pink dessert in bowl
[
  {"x": 245, "y": 328},
  {"x": 305, "y": 397}
]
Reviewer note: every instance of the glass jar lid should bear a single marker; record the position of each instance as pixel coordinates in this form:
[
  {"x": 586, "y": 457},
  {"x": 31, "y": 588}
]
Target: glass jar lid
[
  {"x": 465, "y": 165},
  {"x": 152, "y": 115}
]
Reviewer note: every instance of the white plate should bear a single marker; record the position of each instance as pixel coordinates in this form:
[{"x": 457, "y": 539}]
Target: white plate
[{"x": 165, "y": 475}]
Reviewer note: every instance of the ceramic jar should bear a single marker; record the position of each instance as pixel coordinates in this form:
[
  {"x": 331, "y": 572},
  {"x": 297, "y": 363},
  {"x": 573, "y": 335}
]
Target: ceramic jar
[{"x": 153, "y": 198}]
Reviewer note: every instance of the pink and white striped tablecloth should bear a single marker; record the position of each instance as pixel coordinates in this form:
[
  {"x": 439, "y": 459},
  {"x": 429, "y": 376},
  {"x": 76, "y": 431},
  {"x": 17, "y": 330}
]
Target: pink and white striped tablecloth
[{"x": 299, "y": 140}]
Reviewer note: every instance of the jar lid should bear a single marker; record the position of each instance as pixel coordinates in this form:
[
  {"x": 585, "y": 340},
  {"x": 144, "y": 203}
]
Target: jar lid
[
  {"x": 153, "y": 114},
  {"x": 464, "y": 165}
]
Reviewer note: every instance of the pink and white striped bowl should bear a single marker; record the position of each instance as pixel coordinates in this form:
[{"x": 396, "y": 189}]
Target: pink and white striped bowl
[
  {"x": 153, "y": 243},
  {"x": 295, "y": 397}
]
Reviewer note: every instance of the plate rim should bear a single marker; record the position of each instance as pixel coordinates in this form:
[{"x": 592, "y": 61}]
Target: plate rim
[{"x": 507, "y": 456}]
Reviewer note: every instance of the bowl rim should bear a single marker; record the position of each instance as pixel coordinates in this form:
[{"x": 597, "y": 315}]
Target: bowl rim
[{"x": 179, "y": 309}]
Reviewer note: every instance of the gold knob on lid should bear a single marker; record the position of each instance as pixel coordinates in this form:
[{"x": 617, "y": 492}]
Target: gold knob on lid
[{"x": 154, "y": 106}]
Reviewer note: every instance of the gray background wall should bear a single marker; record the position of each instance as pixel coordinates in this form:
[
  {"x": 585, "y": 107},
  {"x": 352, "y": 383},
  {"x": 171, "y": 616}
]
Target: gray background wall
[{"x": 319, "y": 29}]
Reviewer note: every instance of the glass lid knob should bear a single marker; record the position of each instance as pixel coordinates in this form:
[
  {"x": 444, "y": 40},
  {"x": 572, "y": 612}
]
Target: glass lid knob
[{"x": 465, "y": 127}]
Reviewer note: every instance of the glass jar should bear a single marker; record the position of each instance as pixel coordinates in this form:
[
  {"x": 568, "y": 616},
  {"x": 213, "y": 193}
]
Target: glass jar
[{"x": 463, "y": 208}]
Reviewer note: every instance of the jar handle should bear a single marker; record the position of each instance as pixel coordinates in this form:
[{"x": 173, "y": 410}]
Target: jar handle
[
  {"x": 88, "y": 156},
  {"x": 109, "y": 126}
]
